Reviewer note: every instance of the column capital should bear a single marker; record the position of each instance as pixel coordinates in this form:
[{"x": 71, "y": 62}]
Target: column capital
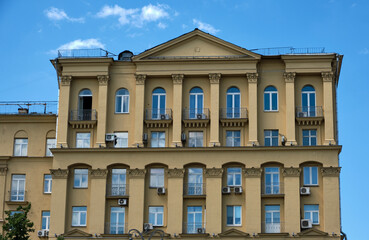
[
  {"x": 3, "y": 171},
  {"x": 140, "y": 79},
  {"x": 103, "y": 79},
  {"x": 252, "y": 77},
  {"x": 327, "y": 76},
  {"x": 215, "y": 77},
  {"x": 59, "y": 173},
  {"x": 213, "y": 172},
  {"x": 289, "y": 77},
  {"x": 291, "y": 172},
  {"x": 330, "y": 171},
  {"x": 175, "y": 173},
  {"x": 177, "y": 78},
  {"x": 252, "y": 172},
  {"x": 137, "y": 173},
  {"x": 65, "y": 80},
  {"x": 98, "y": 173}
]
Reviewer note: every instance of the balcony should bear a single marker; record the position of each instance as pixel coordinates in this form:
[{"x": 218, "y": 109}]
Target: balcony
[
  {"x": 158, "y": 117},
  {"x": 194, "y": 228},
  {"x": 233, "y": 117},
  {"x": 194, "y": 190},
  {"x": 309, "y": 116},
  {"x": 116, "y": 190},
  {"x": 115, "y": 228},
  {"x": 196, "y": 117},
  {"x": 85, "y": 118},
  {"x": 17, "y": 197},
  {"x": 273, "y": 190},
  {"x": 273, "y": 226}
]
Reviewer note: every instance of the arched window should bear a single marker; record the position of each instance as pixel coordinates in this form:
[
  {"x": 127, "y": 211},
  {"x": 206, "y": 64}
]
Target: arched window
[
  {"x": 158, "y": 103},
  {"x": 84, "y": 104},
  {"x": 308, "y": 101},
  {"x": 233, "y": 103},
  {"x": 196, "y": 102},
  {"x": 122, "y": 101},
  {"x": 270, "y": 99}
]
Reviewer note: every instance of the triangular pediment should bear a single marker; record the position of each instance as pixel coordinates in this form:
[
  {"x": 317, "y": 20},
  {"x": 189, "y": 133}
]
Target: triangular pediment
[
  {"x": 313, "y": 232},
  {"x": 233, "y": 233},
  {"x": 193, "y": 46},
  {"x": 77, "y": 233}
]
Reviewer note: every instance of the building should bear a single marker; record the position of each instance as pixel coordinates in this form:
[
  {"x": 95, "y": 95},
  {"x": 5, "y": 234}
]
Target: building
[{"x": 198, "y": 137}]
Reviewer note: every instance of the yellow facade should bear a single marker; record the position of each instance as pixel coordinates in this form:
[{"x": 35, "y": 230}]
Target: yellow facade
[{"x": 198, "y": 117}]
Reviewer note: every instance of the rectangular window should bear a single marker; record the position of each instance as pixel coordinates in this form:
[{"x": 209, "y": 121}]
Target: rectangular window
[
  {"x": 50, "y": 143},
  {"x": 195, "y": 139},
  {"x": 80, "y": 178},
  {"x": 18, "y": 188},
  {"x": 195, "y": 185},
  {"x": 233, "y": 215},
  {"x": 157, "y": 139},
  {"x": 45, "y": 220},
  {"x": 233, "y": 177},
  {"x": 20, "y": 147},
  {"x": 156, "y": 216},
  {"x": 194, "y": 219},
  {"x": 272, "y": 219},
  {"x": 272, "y": 180},
  {"x": 122, "y": 139},
  {"x": 47, "y": 183},
  {"x": 310, "y": 176},
  {"x": 83, "y": 140},
  {"x": 157, "y": 177},
  {"x": 79, "y": 216},
  {"x": 233, "y": 138},
  {"x": 309, "y": 137},
  {"x": 117, "y": 219},
  {"x": 271, "y": 137},
  {"x": 312, "y": 212},
  {"x": 118, "y": 182}
]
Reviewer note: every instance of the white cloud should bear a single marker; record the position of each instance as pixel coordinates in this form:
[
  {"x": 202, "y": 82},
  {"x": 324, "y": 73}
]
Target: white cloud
[
  {"x": 124, "y": 14},
  {"x": 364, "y": 51},
  {"x": 152, "y": 13},
  {"x": 205, "y": 26},
  {"x": 162, "y": 25},
  {"x": 80, "y": 44},
  {"x": 56, "y": 14}
]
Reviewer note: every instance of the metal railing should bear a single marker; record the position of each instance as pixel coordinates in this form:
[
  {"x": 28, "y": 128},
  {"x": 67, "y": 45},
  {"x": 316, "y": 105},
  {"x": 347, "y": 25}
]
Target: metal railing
[
  {"x": 289, "y": 50},
  {"x": 194, "y": 227},
  {"x": 158, "y": 114},
  {"x": 113, "y": 190},
  {"x": 196, "y": 113},
  {"x": 194, "y": 189},
  {"x": 84, "y": 53},
  {"x": 83, "y": 115},
  {"x": 272, "y": 188},
  {"x": 115, "y": 228},
  {"x": 17, "y": 196},
  {"x": 28, "y": 107},
  {"x": 302, "y": 112},
  {"x": 233, "y": 113},
  {"x": 272, "y": 227}
]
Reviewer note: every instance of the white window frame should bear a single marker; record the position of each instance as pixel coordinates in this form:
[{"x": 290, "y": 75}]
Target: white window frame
[
  {"x": 48, "y": 182},
  {"x": 117, "y": 211},
  {"x": 159, "y": 139},
  {"x": 83, "y": 140},
  {"x": 79, "y": 214},
  {"x": 232, "y": 137},
  {"x": 310, "y": 136},
  {"x": 275, "y": 227},
  {"x": 122, "y": 139},
  {"x": 16, "y": 180},
  {"x": 79, "y": 177},
  {"x": 47, "y": 219},
  {"x": 157, "y": 214},
  {"x": 311, "y": 214},
  {"x": 155, "y": 177},
  {"x": 197, "y": 110},
  {"x": 50, "y": 143},
  {"x": 124, "y": 98},
  {"x": 196, "y": 135},
  {"x": 271, "y": 137},
  {"x": 23, "y": 147},
  {"x": 194, "y": 225},
  {"x": 234, "y": 215},
  {"x": 311, "y": 176},
  {"x": 272, "y": 185},
  {"x": 233, "y": 176},
  {"x": 270, "y": 93}
]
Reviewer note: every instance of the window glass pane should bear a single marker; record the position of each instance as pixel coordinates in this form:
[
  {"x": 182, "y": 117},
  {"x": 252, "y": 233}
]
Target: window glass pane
[
  {"x": 75, "y": 219},
  {"x": 200, "y": 103},
  {"x": 229, "y": 215},
  {"x": 83, "y": 218},
  {"x": 118, "y": 104},
  {"x": 238, "y": 215},
  {"x": 314, "y": 172},
  {"x": 306, "y": 175},
  {"x": 315, "y": 217},
  {"x": 274, "y": 101},
  {"x": 266, "y": 101}
]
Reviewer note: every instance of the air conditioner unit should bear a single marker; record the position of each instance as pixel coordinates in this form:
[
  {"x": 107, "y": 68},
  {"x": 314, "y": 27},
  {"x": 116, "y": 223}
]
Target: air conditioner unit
[
  {"x": 226, "y": 190},
  {"x": 162, "y": 116},
  {"x": 122, "y": 201},
  {"x": 306, "y": 223},
  {"x": 302, "y": 114},
  {"x": 199, "y": 116},
  {"x": 238, "y": 190},
  {"x": 161, "y": 190},
  {"x": 148, "y": 226},
  {"x": 46, "y": 233},
  {"x": 200, "y": 230},
  {"x": 109, "y": 137},
  {"x": 305, "y": 191},
  {"x": 40, "y": 233}
]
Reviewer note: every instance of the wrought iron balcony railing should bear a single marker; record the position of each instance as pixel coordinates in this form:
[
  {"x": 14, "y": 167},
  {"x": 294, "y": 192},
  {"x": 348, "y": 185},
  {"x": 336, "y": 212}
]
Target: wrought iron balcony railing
[
  {"x": 115, "y": 228},
  {"x": 272, "y": 188},
  {"x": 116, "y": 190},
  {"x": 194, "y": 189},
  {"x": 273, "y": 226},
  {"x": 233, "y": 113},
  {"x": 158, "y": 114},
  {"x": 302, "y": 112},
  {"x": 83, "y": 115},
  {"x": 196, "y": 113},
  {"x": 194, "y": 227}
]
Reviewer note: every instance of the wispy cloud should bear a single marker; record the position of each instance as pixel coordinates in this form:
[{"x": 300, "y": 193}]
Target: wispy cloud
[
  {"x": 79, "y": 44},
  {"x": 364, "y": 51},
  {"x": 162, "y": 25},
  {"x": 57, "y": 14},
  {"x": 205, "y": 26}
]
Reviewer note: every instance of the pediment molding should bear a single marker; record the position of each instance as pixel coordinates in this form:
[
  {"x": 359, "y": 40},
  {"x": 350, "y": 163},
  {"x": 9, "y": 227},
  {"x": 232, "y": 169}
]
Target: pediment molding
[
  {"x": 313, "y": 232},
  {"x": 77, "y": 233},
  {"x": 233, "y": 233}
]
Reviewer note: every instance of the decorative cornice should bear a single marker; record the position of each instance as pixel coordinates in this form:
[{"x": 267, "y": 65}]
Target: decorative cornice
[
  {"x": 140, "y": 79},
  {"x": 330, "y": 171},
  {"x": 252, "y": 172},
  {"x": 215, "y": 77},
  {"x": 291, "y": 172},
  {"x": 3, "y": 171},
  {"x": 213, "y": 172},
  {"x": 136, "y": 173},
  {"x": 103, "y": 79},
  {"x": 289, "y": 77},
  {"x": 177, "y": 78},
  {"x": 65, "y": 80},
  {"x": 252, "y": 77},
  {"x": 175, "y": 173},
  {"x": 99, "y": 173},
  {"x": 327, "y": 76},
  {"x": 59, "y": 173}
]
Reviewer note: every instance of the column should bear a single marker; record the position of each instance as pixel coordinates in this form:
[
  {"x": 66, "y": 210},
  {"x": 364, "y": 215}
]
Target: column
[
  {"x": 331, "y": 200},
  {"x": 253, "y": 200},
  {"x": 328, "y": 108},
  {"x": 101, "y": 110},
  {"x": 253, "y": 109},
  {"x": 214, "y": 200},
  {"x": 177, "y": 109},
  {"x": 139, "y": 109},
  {"x": 96, "y": 213},
  {"x": 58, "y": 201},
  {"x": 63, "y": 111},
  {"x": 136, "y": 198},
  {"x": 175, "y": 201},
  {"x": 289, "y": 78},
  {"x": 214, "y": 111},
  {"x": 3, "y": 171},
  {"x": 291, "y": 200}
]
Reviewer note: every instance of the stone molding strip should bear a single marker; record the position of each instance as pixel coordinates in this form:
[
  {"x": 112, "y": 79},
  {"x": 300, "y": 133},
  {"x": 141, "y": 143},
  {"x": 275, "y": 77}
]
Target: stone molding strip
[
  {"x": 252, "y": 172},
  {"x": 291, "y": 172},
  {"x": 98, "y": 173},
  {"x": 59, "y": 173},
  {"x": 330, "y": 171},
  {"x": 213, "y": 172},
  {"x": 137, "y": 173},
  {"x": 176, "y": 173}
]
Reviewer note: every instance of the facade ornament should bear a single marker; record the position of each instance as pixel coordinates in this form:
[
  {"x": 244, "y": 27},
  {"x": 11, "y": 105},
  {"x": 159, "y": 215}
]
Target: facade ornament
[
  {"x": 214, "y": 77},
  {"x": 327, "y": 76},
  {"x": 213, "y": 172},
  {"x": 103, "y": 79},
  {"x": 252, "y": 77},
  {"x": 65, "y": 80},
  {"x": 177, "y": 78},
  {"x": 289, "y": 77},
  {"x": 175, "y": 173},
  {"x": 3, "y": 171},
  {"x": 140, "y": 79},
  {"x": 291, "y": 172},
  {"x": 252, "y": 172},
  {"x": 136, "y": 173},
  {"x": 59, "y": 173},
  {"x": 330, "y": 171},
  {"x": 99, "y": 173}
]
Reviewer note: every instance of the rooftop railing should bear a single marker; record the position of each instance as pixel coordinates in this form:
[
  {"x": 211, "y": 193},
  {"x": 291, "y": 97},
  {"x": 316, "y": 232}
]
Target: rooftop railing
[
  {"x": 289, "y": 50},
  {"x": 84, "y": 53},
  {"x": 28, "y": 107}
]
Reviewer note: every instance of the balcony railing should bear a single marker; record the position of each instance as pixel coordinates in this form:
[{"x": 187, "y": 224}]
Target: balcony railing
[
  {"x": 303, "y": 112},
  {"x": 115, "y": 228},
  {"x": 28, "y": 107},
  {"x": 84, "y": 53},
  {"x": 273, "y": 227},
  {"x": 194, "y": 227},
  {"x": 233, "y": 113},
  {"x": 196, "y": 113},
  {"x": 159, "y": 114},
  {"x": 194, "y": 189},
  {"x": 116, "y": 190},
  {"x": 83, "y": 115},
  {"x": 272, "y": 189},
  {"x": 17, "y": 196}
]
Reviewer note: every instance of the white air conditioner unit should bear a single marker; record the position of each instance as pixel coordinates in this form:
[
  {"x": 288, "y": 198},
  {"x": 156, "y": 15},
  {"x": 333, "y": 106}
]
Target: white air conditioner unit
[
  {"x": 148, "y": 226},
  {"x": 162, "y": 116},
  {"x": 122, "y": 202},
  {"x": 43, "y": 233},
  {"x": 306, "y": 223},
  {"x": 305, "y": 191},
  {"x": 199, "y": 116},
  {"x": 161, "y": 190},
  {"x": 302, "y": 114},
  {"x": 46, "y": 233},
  {"x": 109, "y": 137},
  {"x": 238, "y": 190},
  {"x": 226, "y": 190},
  {"x": 200, "y": 230}
]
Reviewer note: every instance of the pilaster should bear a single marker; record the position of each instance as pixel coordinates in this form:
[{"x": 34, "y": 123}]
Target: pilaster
[
  {"x": 289, "y": 78},
  {"x": 214, "y": 200},
  {"x": 102, "y": 106},
  {"x": 175, "y": 200},
  {"x": 329, "y": 124},
  {"x": 253, "y": 199},
  {"x": 252, "y": 79},
  {"x": 139, "y": 108},
  {"x": 136, "y": 198},
  {"x": 214, "y": 112},
  {"x": 63, "y": 114},
  {"x": 3, "y": 173},
  {"x": 177, "y": 109}
]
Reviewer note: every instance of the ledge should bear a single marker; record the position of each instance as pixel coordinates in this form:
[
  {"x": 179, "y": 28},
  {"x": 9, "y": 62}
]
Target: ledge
[
  {"x": 158, "y": 123},
  {"x": 194, "y": 235},
  {"x": 196, "y": 123},
  {"x": 272, "y": 195},
  {"x": 194, "y": 197},
  {"x": 233, "y": 122},
  {"x": 16, "y": 203},
  {"x": 273, "y": 234}
]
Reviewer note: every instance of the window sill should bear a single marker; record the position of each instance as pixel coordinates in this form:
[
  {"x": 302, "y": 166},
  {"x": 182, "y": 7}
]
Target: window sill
[
  {"x": 17, "y": 202},
  {"x": 119, "y": 113},
  {"x": 306, "y": 185},
  {"x": 271, "y": 111},
  {"x": 80, "y": 187},
  {"x": 47, "y": 193},
  {"x": 84, "y": 226}
]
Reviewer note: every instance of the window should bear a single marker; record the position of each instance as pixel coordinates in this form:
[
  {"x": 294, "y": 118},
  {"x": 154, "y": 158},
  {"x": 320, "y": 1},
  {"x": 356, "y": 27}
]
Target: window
[
  {"x": 312, "y": 212},
  {"x": 122, "y": 101},
  {"x": 196, "y": 102},
  {"x": 157, "y": 177},
  {"x": 158, "y": 103},
  {"x": 156, "y": 216},
  {"x": 272, "y": 219},
  {"x": 80, "y": 178},
  {"x": 18, "y": 188},
  {"x": 271, "y": 137},
  {"x": 308, "y": 101},
  {"x": 233, "y": 138},
  {"x": 270, "y": 99},
  {"x": 50, "y": 143},
  {"x": 195, "y": 181},
  {"x": 84, "y": 105},
  {"x": 233, "y": 215},
  {"x": 122, "y": 139},
  {"x": 309, "y": 137},
  {"x": 272, "y": 180},
  {"x": 117, "y": 219},
  {"x": 310, "y": 176},
  {"x": 79, "y": 216},
  {"x": 195, "y": 139},
  {"x": 233, "y": 177},
  {"x": 83, "y": 140},
  {"x": 233, "y": 103},
  {"x": 118, "y": 182},
  {"x": 47, "y": 183},
  {"x": 157, "y": 139},
  {"x": 20, "y": 147},
  {"x": 194, "y": 218},
  {"x": 45, "y": 220}
]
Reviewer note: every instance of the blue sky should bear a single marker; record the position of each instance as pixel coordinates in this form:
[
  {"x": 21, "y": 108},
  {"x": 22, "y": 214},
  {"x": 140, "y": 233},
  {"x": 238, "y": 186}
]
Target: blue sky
[{"x": 32, "y": 31}]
